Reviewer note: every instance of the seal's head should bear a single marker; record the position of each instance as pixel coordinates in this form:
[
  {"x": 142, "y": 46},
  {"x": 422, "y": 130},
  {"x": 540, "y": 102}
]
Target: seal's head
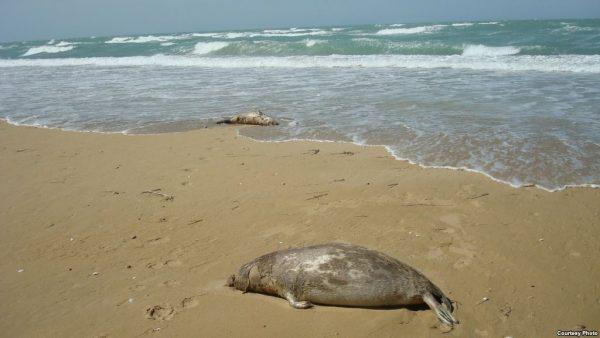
[
  {"x": 230, "y": 281},
  {"x": 241, "y": 280}
]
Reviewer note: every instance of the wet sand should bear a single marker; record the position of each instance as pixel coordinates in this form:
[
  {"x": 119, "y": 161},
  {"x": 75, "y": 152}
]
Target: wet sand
[{"x": 99, "y": 228}]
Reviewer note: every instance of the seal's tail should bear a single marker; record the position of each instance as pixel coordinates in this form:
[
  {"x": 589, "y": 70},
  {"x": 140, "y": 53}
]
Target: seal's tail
[
  {"x": 227, "y": 121},
  {"x": 443, "y": 312},
  {"x": 441, "y": 297}
]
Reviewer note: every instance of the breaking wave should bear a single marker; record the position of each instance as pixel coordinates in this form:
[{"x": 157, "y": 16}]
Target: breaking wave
[
  {"x": 413, "y": 30},
  {"x": 203, "y": 48},
  {"x": 50, "y": 49},
  {"x": 481, "y": 50},
  {"x": 148, "y": 38},
  {"x": 556, "y": 63}
]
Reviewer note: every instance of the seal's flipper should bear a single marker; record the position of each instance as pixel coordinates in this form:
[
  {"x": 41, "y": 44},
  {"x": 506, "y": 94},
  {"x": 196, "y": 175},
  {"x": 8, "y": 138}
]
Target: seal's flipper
[
  {"x": 442, "y": 312},
  {"x": 295, "y": 303}
]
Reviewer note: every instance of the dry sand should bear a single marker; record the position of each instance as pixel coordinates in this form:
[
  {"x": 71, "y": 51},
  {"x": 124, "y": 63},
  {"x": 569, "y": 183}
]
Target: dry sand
[{"x": 96, "y": 252}]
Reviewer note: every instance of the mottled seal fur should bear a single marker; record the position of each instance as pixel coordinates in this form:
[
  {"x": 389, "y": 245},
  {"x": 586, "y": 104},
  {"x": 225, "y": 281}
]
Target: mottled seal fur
[
  {"x": 343, "y": 275},
  {"x": 254, "y": 117}
]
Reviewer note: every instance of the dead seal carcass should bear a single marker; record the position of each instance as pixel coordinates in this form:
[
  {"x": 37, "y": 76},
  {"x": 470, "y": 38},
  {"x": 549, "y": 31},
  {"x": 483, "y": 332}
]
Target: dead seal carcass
[
  {"x": 340, "y": 274},
  {"x": 254, "y": 117}
]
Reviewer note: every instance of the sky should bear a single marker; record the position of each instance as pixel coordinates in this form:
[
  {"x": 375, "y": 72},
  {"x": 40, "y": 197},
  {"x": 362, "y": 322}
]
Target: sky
[{"x": 22, "y": 20}]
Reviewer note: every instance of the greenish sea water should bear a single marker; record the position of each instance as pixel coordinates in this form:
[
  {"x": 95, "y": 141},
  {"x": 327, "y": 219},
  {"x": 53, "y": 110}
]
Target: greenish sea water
[{"x": 516, "y": 100}]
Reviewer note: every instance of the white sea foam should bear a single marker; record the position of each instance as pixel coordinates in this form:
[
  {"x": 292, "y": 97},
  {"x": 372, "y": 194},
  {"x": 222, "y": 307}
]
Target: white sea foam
[
  {"x": 148, "y": 38},
  {"x": 50, "y": 49},
  {"x": 202, "y": 48},
  {"x": 120, "y": 40},
  {"x": 280, "y": 31},
  {"x": 397, "y": 25},
  {"x": 311, "y": 43},
  {"x": 462, "y": 24},
  {"x": 412, "y": 30},
  {"x": 488, "y": 23},
  {"x": 235, "y": 35},
  {"x": 574, "y": 28},
  {"x": 293, "y": 33},
  {"x": 37, "y": 124},
  {"x": 513, "y": 184},
  {"x": 555, "y": 63},
  {"x": 294, "y": 29},
  {"x": 481, "y": 50},
  {"x": 204, "y": 35},
  {"x": 365, "y": 40}
]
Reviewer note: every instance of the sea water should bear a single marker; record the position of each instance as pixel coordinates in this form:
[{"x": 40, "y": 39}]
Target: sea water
[{"x": 516, "y": 100}]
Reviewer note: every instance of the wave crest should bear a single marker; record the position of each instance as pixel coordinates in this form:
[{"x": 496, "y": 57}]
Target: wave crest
[
  {"x": 50, "y": 49},
  {"x": 203, "y": 48},
  {"x": 412, "y": 30},
  {"x": 558, "y": 63},
  {"x": 148, "y": 38},
  {"x": 482, "y": 50}
]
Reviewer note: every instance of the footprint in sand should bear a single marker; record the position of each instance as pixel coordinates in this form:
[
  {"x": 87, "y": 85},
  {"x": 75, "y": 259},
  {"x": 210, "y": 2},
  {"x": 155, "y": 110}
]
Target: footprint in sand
[
  {"x": 159, "y": 240},
  {"x": 173, "y": 263},
  {"x": 461, "y": 263},
  {"x": 160, "y": 312},
  {"x": 467, "y": 255},
  {"x": 451, "y": 219},
  {"x": 189, "y": 302},
  {"x": 461, "y": 246},
  {"x": 171, "y": 283},
  {"x": 138, "y": 287},
  {"x": 434, "y": 253},
  {"x": 154, "y": 265}
]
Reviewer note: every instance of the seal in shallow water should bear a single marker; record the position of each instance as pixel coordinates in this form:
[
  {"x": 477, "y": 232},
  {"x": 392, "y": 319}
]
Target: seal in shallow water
[
  {"x": 340, "y": 274},
  {"x": 254, "y": 117}
]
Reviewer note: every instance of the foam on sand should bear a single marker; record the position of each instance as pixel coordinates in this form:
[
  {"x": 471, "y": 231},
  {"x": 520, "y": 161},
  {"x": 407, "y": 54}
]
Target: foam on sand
[{"x": 482, "y": 50}]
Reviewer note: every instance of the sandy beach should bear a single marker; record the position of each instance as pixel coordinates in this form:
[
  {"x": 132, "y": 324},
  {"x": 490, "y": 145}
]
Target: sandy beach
[{"x": 99, "y": 228}]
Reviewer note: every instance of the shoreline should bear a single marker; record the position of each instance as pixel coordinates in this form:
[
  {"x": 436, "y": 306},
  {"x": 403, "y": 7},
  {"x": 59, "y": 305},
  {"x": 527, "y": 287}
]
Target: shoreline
[
  {"x": 424, "y": 166},
  {"x": 87, "y": 252},
  {"x": 210, "y": 124}
]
